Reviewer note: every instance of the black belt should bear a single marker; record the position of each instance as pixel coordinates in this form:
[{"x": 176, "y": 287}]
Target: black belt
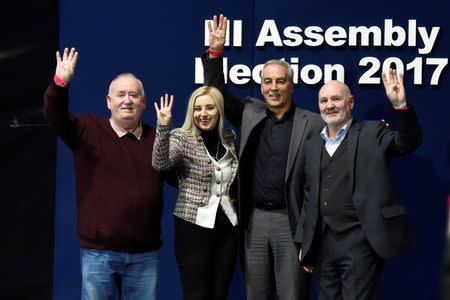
[{"x": 270, "y": 206}]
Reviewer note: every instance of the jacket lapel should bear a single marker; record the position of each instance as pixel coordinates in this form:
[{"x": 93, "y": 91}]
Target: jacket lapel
[
  {"x": 251, "y": 118},
  {"x": 352, "y": 142},
  {"x": 298, "y": 129},
  {"x": 315, "y": 156}
]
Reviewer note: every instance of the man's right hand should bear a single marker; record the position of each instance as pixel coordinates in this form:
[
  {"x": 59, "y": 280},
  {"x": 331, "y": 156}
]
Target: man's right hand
[
  {"x": 307, "y": 269},
  {"x": 217, "y": 33},
  {"x": 66, "y": 67}
]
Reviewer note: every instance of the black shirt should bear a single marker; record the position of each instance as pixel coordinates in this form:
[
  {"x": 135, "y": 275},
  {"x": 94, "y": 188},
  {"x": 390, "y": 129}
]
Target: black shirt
[
  {"x": 213, "y": 143},
  {"x": 268, "y": 149}
]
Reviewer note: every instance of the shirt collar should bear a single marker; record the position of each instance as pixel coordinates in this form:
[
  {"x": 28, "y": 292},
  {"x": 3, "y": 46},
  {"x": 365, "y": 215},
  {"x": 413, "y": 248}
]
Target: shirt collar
[
  {"x": 137, "y": 132},
  {"x": 286, "y": 115},
  {"x": 340, "y": 135}
]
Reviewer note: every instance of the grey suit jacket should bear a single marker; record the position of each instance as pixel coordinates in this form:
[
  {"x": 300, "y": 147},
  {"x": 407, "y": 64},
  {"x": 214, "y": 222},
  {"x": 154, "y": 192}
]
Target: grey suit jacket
[
  {"x": 306, "y": 124},
  {"x": 370, "y": 147}
]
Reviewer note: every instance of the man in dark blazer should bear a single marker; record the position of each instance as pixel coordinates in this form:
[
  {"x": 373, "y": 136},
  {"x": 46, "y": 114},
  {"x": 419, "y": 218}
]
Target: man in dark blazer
[
  {"x": 270, "y": 173},
  {"x": 352, "y": 218}
]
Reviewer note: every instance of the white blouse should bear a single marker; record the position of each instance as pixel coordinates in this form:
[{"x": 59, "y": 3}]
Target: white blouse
[{"x": 206, "y": 215}]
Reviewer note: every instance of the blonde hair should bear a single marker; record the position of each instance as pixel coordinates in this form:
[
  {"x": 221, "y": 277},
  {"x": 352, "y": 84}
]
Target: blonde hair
[{"x": 189, "y": 125}]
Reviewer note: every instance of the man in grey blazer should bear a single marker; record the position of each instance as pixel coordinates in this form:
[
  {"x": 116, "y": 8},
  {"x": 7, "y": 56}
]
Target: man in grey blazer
[
  {"x": 270, "y": 172},
  {"x": 352, "y": 218}
]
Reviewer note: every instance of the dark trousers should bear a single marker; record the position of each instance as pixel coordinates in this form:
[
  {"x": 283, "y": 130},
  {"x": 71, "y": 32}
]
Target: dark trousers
[
  {"x": 271, "y": 259},
  {"x": 347, "y": 267},
  {"x": 206, "y": 257}
]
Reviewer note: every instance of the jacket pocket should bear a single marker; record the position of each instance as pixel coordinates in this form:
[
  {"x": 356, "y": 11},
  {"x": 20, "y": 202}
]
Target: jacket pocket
[{"x": 393, "y": 211}]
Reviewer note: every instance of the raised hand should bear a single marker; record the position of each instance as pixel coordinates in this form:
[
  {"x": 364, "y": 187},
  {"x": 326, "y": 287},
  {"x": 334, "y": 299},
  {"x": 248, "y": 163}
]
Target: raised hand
[
  {"x": 164, "y": 115},
  {"x": 217, "y": 33},
  {"x": 66, "y": 67},
  {"x": 395, "y": 90}
]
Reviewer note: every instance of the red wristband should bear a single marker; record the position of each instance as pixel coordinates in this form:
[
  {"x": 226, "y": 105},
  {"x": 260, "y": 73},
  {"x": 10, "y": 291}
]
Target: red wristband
[
  {"x": 60, "y": 80},
  {"x": 215, "y": 53},
  {"x": 402, "y": 107}
]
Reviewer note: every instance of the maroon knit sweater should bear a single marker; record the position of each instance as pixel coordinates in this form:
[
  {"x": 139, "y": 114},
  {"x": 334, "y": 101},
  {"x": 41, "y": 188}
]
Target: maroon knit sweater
[{"x": 119, "y": 194}]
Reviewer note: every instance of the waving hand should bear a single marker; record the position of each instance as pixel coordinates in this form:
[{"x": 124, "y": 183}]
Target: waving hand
[
  {"x": 65, "y": 67},
  {"x": 164, "y": 114},
  {"x": 395, "y": 90},
  {"x": 217, "y": 33}
]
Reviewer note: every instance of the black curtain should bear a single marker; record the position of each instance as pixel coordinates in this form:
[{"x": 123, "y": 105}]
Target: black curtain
[{"x": 29, "y": 39}]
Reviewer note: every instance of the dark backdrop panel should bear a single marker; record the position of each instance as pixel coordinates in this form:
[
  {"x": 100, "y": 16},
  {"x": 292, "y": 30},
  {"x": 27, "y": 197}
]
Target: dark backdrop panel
[
  {"x": 28, "y": 213},
  {"x": 159, "y": 43},
  {"x": 29, "y": 31}
]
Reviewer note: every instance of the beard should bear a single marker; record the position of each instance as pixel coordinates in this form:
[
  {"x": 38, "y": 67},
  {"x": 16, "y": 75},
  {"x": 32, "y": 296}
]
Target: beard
[{"x": 338, "y": 118}]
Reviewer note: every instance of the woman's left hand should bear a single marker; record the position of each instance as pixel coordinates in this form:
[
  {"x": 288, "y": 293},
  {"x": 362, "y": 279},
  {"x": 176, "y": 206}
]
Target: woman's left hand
[{"x": 164, "y": 115}]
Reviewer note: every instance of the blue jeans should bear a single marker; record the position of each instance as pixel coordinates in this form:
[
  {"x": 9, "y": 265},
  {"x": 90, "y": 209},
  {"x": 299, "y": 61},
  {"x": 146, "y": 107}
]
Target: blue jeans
[{"x": 110, "y": 275}]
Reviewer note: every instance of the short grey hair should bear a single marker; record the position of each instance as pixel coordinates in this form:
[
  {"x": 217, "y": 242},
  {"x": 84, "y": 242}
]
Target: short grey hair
[
  {"x": 288, "y": 67},
  {"x": 141, "y": 86}
]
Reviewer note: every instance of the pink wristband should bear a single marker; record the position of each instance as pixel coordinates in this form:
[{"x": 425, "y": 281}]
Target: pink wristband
[
  {"x": 60, "y": 80},
  {"x": 215, "y": 53}
]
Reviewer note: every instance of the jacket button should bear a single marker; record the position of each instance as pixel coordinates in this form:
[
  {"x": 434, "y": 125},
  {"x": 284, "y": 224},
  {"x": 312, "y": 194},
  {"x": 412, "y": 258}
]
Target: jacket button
[
  {"x": 218, "y": 181},
  {"x": 204, "y": 188},
  {"x": 199, "y": 139},
  {"x": 217, "y": 195},
  {"x": 209, "y": 161},
  {"x": 218, "y": 169}
]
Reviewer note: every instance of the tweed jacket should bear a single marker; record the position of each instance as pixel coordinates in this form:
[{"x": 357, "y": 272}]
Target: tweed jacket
[{"x": 194, "y": 167}]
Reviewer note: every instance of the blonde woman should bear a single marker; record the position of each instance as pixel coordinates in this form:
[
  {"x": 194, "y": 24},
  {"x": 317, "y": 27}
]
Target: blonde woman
[{"x": 203, "y": 155}]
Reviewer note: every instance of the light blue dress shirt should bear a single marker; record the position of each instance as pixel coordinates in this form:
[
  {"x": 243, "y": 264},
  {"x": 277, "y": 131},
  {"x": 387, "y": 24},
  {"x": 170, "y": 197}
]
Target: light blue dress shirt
[{"x": 332, "y": 144}]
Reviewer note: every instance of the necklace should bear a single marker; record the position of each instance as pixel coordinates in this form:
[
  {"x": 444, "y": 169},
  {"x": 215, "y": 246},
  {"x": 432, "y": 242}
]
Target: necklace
[{"x": 217, "y": 152}]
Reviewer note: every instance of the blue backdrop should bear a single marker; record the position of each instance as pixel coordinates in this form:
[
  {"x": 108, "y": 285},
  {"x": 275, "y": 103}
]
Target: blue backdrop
[{"x": 159, "y": 42}]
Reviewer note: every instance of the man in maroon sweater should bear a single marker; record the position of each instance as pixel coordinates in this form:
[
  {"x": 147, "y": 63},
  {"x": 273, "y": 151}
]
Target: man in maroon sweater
[{"x": 119, "y": 194}]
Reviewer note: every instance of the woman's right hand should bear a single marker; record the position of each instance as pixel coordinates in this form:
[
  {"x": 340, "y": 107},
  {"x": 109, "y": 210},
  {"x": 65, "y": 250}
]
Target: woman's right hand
[{"x": 164, "y": 114}]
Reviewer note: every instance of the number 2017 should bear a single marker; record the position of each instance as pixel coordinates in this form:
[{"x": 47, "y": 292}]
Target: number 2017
[{"x": 416, "y": 65}]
